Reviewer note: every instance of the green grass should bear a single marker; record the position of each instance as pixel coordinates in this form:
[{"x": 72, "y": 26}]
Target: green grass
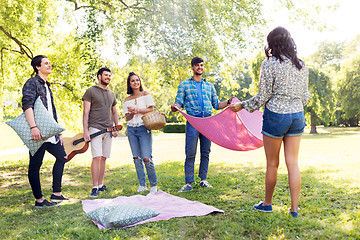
[{"x": 329, "y": 202}]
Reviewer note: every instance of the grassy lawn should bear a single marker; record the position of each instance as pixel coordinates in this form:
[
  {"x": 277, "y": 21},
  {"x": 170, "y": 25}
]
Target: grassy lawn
[{"x": 329, "y": 202}]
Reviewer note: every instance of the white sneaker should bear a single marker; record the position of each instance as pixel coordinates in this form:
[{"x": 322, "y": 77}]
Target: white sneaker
[
  {"x": 205, "y": 184},
  {"x": 142, "y": 189},
  {"x": 153, "y": 189}
]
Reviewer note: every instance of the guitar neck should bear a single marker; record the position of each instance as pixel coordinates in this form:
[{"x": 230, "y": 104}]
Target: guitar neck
[
  {"x": 91, "y": 136},
  {"x": 98, "y": 133}
]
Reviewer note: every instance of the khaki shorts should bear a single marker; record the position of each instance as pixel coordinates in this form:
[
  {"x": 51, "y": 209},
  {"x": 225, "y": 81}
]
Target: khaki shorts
[{"x": 100, "y": 145}]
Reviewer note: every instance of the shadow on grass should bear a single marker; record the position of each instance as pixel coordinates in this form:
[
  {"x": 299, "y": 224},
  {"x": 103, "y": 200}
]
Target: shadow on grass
[
  {"x": 327, "y": 211},
  {"x": 333, "y": 133}
]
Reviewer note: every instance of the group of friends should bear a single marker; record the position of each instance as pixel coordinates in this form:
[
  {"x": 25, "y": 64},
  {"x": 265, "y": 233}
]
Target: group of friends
[{"x": 283, "y": 89}]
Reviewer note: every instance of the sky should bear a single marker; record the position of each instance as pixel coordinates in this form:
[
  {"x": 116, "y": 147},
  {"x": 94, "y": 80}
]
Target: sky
[{"x": 344, "y": 22}]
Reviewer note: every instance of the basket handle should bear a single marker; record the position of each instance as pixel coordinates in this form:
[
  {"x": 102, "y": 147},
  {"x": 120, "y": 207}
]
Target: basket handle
[
  {"x": 157, "y": 108},
  {"x": 159, "y": 111}
]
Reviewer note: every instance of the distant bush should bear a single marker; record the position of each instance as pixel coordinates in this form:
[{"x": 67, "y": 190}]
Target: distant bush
[{"x": 174, "y": 128}]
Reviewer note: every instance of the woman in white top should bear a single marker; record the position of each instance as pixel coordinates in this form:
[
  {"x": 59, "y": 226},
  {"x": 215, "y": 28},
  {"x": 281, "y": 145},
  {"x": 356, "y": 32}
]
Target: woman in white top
[{"x": 140, "y": 138}]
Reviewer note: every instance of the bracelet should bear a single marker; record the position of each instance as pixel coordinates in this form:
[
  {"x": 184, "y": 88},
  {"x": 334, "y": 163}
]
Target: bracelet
[
  {"x": 33, "y": 127},
  {"x": 228, "y": 102}
]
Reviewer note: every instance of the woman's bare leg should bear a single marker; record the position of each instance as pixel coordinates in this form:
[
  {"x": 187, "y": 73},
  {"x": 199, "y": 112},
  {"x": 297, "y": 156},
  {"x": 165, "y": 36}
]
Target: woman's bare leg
[
  {"x": 272, "y": 150},
  {"x": 291, "y": 150}
]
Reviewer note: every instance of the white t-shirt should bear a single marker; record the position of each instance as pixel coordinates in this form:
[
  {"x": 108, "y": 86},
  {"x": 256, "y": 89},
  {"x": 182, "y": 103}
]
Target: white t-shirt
[
  {"x": 50, "y": 110},
  {"x": 142, "y": 102}
]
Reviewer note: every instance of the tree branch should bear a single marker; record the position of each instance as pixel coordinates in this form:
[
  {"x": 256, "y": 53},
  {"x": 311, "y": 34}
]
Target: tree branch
[
  {"x": 23, "y": 48},
  {"x": 126, "y": 7},
  {"x": 63, "y": 85}
]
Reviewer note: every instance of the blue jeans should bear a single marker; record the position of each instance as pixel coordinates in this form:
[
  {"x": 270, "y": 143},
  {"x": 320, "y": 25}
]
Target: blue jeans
[
  {"x": 140, "y": 139},
  {"x": 192, "y": 136}
]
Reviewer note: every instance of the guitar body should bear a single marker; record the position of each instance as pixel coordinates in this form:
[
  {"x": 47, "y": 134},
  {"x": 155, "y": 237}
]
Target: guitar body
[
  {"x": 72, "y": 149},
  {"x": 77, "y": 144}
]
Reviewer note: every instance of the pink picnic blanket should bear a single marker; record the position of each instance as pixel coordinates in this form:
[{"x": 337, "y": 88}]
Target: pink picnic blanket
[
  {"x": 167, "y": 205},
  {"x": 239, "y": 131}
]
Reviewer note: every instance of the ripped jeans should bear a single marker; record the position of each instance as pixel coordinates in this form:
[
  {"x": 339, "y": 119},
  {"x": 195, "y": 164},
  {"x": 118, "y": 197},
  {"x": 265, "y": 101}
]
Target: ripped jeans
[{"x": 140, "y": 139}]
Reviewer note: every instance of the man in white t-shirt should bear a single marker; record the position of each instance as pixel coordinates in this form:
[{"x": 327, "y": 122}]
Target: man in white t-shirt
[{"x": 35, "y": 87}]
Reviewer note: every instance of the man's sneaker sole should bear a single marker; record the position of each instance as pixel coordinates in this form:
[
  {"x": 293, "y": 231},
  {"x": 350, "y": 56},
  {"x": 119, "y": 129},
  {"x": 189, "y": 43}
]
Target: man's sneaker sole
[
  {"x": 45, "y": 204},
  {"x": 41, "y": 207},
  {"x": 57, "y": 199},
  {"x": 205, "y": 184},
  {"x": 103, "y": 189}
]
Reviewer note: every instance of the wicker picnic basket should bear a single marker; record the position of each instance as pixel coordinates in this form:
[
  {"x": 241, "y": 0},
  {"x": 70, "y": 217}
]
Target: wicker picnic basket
[{"x": 154, "y": 120}]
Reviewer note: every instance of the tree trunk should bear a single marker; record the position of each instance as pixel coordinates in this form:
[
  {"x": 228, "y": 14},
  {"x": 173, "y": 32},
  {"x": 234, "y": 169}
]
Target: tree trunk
[{"x": 313, "y": 124}]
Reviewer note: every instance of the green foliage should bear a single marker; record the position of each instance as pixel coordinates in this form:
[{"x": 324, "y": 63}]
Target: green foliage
[
  {"x": 161, "y": 37},
  {"x": 339, "y": 62},
  {"x": 329, "y": 54},
  {"x": 304, "y": 11},
  {"x": 321, "y": 103},
  {"x": 255, "y": 70},
  {"x": 349, "y": 90},
  {"x": 174, "y": 128},
  {"x": 234, "y": 81},
  {"x": 22, "y": 24}
]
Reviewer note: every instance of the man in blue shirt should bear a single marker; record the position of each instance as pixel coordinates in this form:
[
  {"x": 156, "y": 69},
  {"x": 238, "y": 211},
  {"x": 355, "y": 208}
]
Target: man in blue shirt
[{"x": 198, "y": 97}]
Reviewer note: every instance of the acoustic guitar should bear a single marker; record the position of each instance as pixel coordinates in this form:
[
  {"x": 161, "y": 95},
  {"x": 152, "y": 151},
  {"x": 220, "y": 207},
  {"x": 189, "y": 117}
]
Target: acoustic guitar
[{"x": 77, "y": 144}]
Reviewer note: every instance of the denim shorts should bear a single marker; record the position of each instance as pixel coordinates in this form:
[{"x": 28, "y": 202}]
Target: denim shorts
[{"x": 277, "y": 125}]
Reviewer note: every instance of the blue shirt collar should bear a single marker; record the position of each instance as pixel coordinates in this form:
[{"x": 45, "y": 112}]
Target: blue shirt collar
[{"x": 192, "y": 79}]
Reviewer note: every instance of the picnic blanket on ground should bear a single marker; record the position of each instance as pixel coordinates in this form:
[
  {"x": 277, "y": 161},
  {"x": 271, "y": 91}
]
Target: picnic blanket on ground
[
  {"x": 167, "y": 205},
  {"x": 239, "y": 131}
]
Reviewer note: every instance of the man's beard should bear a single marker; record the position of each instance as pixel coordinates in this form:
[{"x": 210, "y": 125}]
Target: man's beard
[
  {"x": 104, "y": 83},
  {"x": 198, "y": 74}
]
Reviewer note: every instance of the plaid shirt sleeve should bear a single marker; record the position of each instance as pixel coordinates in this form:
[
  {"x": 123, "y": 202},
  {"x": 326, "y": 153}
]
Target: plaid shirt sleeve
[
  {"x": 214, "y": 98},
  {"x": 180, "y": 96}
]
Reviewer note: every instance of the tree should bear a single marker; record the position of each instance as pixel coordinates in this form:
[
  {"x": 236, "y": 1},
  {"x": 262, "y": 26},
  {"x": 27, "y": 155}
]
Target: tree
[
  {"x": 21, "y": 25},
  {"x": 349, "y": 90},
  {"x": 167, "y": 33},
  {"x": 321, "y": 103},
  {"x": 329, "y": 54},
  {"x": 234, "y": 81}
]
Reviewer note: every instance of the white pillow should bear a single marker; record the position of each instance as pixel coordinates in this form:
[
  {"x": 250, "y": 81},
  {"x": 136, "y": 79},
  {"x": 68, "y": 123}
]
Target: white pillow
[{"x": 43, "y": 120}]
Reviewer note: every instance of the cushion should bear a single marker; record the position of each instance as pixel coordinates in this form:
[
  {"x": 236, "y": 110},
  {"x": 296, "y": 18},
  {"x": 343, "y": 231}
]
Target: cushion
[
  {"x": 44, "y": 121},
  {"x": 120, "y": 215}
]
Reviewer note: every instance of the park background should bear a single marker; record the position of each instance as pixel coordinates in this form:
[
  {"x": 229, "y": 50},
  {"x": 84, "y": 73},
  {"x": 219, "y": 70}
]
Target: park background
[{"x": 157, "y": 40}]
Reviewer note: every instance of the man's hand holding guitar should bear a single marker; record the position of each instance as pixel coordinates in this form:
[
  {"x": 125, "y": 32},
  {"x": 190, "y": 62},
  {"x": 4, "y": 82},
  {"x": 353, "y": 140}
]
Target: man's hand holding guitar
[
  {"x": 86, "y": 135},
  {"x": 80, "y": 142}
]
